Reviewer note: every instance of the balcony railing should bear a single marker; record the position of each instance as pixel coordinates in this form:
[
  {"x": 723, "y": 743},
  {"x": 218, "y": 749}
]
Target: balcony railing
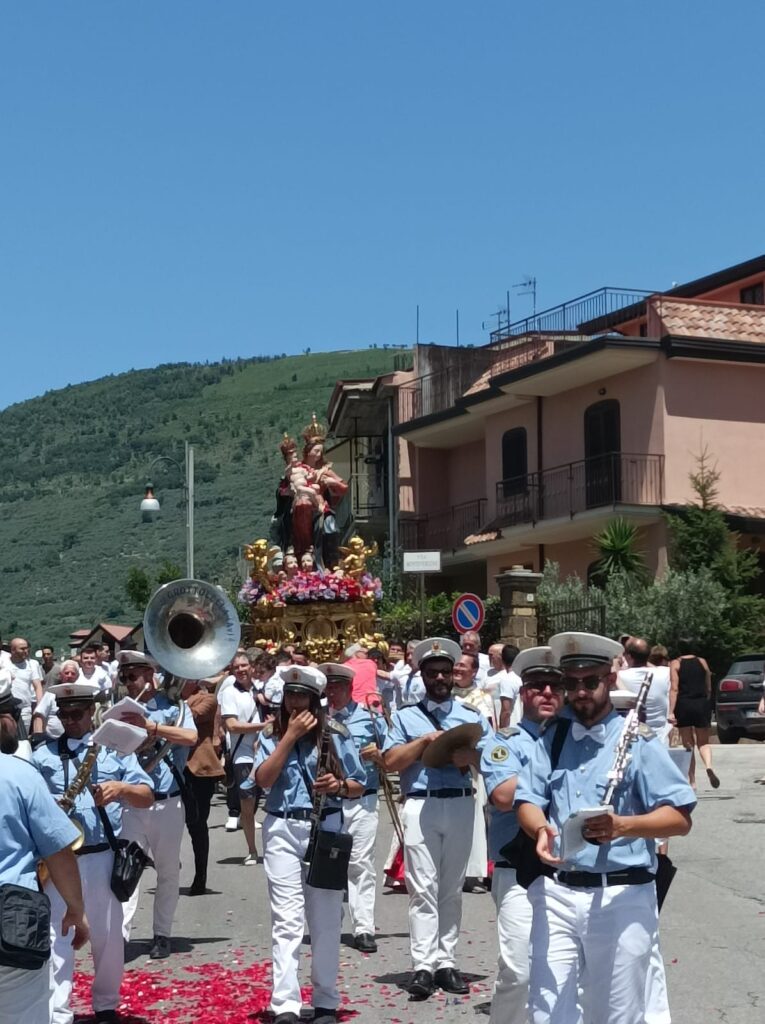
[
  {"x": 615, "y": 479},
  {"x": 442, "y": 531},
  {"x": 570, "y": 315}
]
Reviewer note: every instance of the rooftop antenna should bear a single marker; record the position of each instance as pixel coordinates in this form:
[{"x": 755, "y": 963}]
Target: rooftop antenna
[
  {"x": 502, "y": 315},
  {"x": 458, "y": 328},
  {"x": 417, "y": 331},
  {"x": 529, "y": 286}
]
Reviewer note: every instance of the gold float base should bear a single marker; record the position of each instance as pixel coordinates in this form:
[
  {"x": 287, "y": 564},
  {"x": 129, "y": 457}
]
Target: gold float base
[{"x": 324, "y": 628}]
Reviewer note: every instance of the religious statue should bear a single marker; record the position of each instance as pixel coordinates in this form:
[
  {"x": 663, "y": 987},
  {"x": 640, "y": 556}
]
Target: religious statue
[
  {"x": 311, "y": 510},
  {"x": 354, "y": 562}
]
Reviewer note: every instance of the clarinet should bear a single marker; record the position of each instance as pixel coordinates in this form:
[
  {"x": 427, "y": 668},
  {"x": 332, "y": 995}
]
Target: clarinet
[
  {"x": 319, "y": 799},
  {"x": 629, "y": 734}
]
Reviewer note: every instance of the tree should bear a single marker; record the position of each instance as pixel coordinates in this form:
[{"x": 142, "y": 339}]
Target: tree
[
  {"x": 167, "y": 572},
  {"x": 616, "y": 545},
  {"x": 138, "y": 587}
]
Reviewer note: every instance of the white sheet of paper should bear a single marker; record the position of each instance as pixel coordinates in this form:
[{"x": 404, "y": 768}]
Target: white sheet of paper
[
  {"x": 126, "y": 706},
  {"x": 119, "y": 736},
  {"x": 571, "y": 838}
]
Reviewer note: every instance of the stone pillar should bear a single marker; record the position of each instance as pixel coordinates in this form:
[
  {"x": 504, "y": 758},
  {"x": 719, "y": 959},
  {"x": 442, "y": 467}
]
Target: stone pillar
[{"x": 518, "y": 597}]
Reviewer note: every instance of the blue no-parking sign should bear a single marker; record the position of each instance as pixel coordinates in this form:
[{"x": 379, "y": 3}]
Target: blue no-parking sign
[{"x": 468, "y": 613}]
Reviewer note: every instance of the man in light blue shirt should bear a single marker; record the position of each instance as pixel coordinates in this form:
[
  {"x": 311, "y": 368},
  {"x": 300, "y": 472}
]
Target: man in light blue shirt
[
  {"x": 159, "y": 828},
  {"x": 368, "y": 732},
  {"x": 595, "y": 922},
  {"x": 502, "y": 762},
  {"x": 437, "y": 817},
  {"x": 33, "y": 828}
]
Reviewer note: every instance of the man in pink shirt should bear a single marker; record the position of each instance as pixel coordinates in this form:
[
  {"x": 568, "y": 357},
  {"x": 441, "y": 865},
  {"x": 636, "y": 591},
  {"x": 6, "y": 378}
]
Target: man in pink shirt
[{"x": 364, "y": 673}]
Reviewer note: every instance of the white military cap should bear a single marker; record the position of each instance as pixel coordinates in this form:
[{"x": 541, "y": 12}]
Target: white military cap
[
  {"x": 135, "y": 658},
  {"x": 66, "y": 693},
  {"x": 304, "y": 678},
  {"x": 536, "y": 660},
  {"x": 435, "y": 647},
  {"x": 583, "y": 650},
  {"x": 337, "y": 673}
]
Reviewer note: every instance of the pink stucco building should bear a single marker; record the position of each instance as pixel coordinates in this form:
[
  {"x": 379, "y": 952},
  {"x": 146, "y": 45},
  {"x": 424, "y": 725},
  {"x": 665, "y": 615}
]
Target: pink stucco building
[{"x": 523, "y": 449}]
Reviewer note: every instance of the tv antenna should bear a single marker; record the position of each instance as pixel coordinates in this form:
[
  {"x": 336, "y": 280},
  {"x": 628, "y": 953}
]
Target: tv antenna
[
  {"x": 502, "y": 315},
  {"x": 529, "y": 287}
]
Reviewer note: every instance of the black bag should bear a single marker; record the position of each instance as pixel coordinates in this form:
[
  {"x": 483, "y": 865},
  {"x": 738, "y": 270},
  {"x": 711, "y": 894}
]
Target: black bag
[
  {"x": 24, "y": 927},
  {"x": 521, "y": 852},
  {"x": 130, "y": 859},
  {"x": 330, "y": 856}
]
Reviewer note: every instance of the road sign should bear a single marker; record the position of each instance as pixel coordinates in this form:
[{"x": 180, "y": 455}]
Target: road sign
[
  {"x": 468, "y": 613},
  {"x": 422, "y": 561}
]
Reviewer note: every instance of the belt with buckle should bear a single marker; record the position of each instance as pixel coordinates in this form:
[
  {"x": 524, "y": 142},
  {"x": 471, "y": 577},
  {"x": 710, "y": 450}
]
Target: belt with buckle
[
  {"x": 302, "y": 813},
  {"x": 166, "y": 796},
  {"x": 591, "y": 880},
  {"x": 440, "y": 794},
  {"x": 95, "y": 848}
]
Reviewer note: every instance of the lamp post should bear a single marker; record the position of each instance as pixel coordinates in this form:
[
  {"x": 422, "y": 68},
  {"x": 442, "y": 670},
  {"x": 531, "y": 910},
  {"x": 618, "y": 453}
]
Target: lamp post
[{"x": 150, "y": 505}]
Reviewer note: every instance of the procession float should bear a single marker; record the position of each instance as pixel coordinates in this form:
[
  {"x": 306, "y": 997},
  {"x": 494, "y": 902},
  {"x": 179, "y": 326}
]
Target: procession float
[{"x": 310, "y": 583}]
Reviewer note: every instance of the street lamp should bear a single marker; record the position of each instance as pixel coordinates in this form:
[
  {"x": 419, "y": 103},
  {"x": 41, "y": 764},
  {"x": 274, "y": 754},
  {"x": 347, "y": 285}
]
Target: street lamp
[{"x": 150, "y": 507}]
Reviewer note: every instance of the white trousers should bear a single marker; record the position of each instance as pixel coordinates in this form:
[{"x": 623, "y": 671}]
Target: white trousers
[
  {"x": 478, "y": 862},
  {"x": 602, "y": 938},
  {"x": 25, "y": 995},
  {"x": 360, "y": 821},
  {"x": 511, "y": 989},
  {"x": 437, "y": 838},
  {"x": 159, "y": 830},
  {"x": 104, "y": 914},
  {"x": 293, "y": 903}
]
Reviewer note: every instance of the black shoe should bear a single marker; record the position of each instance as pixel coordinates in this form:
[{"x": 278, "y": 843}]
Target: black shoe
[
  {"x": 107, "y": 1017},
  {"x": 160, "y": 948},
  {"x": 450, "y": 980},
  {"x": 198, "y": 887},
  {"x": 421, "y": 986},
  {"x": 365, "y": 943},
  {"x": 321, "y": 1015},
  {"x": 286, "y": 1018}
]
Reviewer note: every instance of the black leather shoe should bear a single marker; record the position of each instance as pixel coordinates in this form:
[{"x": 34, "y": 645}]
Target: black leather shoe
[
  {"x": 421, "y": 986},
  {"x": 365, "y": 943},
  {"x": 286, "y": 1018},
  {"x": 321, "y": 1015},
  {"x": 107, "y": 1017},
  {"x": 450, "y": 980},
  {"x": 160, "y": 948},
  {"x": 198, "y": 887}
]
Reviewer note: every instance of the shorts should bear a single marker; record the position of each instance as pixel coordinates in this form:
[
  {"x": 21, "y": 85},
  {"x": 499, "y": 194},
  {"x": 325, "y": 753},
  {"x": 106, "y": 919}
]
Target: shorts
[{"x": 242, "y": 772}]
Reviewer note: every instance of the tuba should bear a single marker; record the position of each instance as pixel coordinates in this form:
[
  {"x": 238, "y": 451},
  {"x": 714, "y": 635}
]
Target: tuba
[{"x": 191, "y": 629}]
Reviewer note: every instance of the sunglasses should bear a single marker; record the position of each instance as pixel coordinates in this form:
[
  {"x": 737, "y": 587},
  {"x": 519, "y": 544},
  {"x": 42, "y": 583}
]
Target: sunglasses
[
  {"x": 74, "y": 713},
  {"x": 572, "y": 683},
  {"x": 130, "y": 677},
  {"x": 540, "y": 685}
]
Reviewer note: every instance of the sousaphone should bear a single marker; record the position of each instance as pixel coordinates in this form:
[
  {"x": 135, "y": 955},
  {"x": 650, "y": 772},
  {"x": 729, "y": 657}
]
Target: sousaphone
[{"x": 191, "y": 629}]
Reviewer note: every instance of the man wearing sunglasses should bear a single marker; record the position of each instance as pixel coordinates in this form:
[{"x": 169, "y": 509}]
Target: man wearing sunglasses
[
  {"x": 594, "y": 918},
  {"x": 115, "y": 782},
  {"x": 158, "y": 828},
  {"x": 437, "y": 818},
  {"x": 502, "y": 761}
]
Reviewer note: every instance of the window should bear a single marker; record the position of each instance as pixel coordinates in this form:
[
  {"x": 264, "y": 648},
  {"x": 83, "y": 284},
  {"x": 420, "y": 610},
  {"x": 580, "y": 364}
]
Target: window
[
  {"x": 514, "y": 461},
  {"x": 753, "y": 295}
]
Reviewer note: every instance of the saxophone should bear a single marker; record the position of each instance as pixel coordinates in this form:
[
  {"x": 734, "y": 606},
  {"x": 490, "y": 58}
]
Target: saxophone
[{"x": 67, "y": 800}]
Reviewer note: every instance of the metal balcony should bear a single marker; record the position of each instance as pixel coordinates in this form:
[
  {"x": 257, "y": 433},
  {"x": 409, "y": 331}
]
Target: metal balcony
[
  {"x": 442, "y": 531},
  {"x": 615, "y": 479}
]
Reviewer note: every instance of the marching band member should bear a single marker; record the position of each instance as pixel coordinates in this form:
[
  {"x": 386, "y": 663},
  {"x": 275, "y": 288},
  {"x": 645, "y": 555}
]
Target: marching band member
[
  {"x": 361, "y": 815},
  {"x": 437, "y": 818},
  {"x": 33, "y": 827},
  {"x": 501, "y": 762},
  {"x": 286, "y": 766},
  {"x": 594, "y": 917},
  {"x": 115, "y": 781},
  {"x": 159, "y": 827}
]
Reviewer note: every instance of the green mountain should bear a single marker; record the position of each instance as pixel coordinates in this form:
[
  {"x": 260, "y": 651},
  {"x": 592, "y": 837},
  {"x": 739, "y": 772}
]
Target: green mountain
[{"x": 74, "y": 462}]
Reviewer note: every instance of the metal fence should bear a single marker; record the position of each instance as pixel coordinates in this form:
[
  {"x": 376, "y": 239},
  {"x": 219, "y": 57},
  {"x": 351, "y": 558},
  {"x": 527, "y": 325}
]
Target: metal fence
[{"x": 572, "y": 616}]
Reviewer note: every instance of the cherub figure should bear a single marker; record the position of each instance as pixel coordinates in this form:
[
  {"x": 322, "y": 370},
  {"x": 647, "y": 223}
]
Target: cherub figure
[
  {"x": 290, "y": 563},
  {"x": 259, "y": 554},
  {"x": 307, "y": 561},
  {"x": 354, "y": 562}
]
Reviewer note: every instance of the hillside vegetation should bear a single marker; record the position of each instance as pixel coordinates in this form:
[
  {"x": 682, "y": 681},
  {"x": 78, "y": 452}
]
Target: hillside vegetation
[{"x": 73, "y": 464}]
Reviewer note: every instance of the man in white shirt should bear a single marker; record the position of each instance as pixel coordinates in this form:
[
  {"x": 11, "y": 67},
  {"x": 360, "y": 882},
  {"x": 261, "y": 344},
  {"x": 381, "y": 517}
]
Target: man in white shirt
[
  {"x": 470, "y": 643},
  {"x": 509, "y": 688},
  {"x": 408, "y": 687},
  {"x": 91, "y": 672},
  {"x": 637, "y": 652},
  {"x": 240, "y": 713},
  {"x": 26, "y": 678}
]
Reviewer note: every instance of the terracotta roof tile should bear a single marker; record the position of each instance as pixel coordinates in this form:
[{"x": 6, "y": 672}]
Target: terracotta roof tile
[{"x": 703, "y": 319}]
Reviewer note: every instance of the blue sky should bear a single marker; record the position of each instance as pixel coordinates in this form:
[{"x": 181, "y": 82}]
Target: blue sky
[{"x": 193, "y": 180}]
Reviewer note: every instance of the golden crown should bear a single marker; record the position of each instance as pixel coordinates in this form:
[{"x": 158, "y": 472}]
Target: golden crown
[{"x": 314, "y": 432}]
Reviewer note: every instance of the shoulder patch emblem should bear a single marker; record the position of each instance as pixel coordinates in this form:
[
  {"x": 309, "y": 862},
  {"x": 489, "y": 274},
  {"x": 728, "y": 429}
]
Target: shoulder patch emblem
[{"x": 499, "y": 754}]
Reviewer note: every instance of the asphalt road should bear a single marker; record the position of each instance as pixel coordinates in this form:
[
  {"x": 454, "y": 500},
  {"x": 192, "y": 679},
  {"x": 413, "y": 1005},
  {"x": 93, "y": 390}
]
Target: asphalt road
[{"x": 713, "y": 930}]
